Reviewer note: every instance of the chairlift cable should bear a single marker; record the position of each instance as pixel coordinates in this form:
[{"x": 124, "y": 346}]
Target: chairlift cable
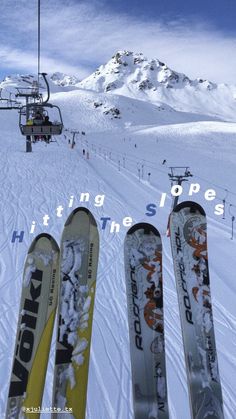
[{"x": 38, "y": 40}]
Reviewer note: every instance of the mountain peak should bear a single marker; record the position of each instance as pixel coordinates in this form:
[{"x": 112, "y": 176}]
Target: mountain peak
[
  {"x": 64, "y": 80},
  {"x": 121, "y": 57},
  {"x": 127, "y": 71}
]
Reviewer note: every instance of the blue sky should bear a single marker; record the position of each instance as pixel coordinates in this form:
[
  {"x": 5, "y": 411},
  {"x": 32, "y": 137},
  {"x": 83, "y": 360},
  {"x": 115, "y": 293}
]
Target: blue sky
[
  {"x": 194, "y": 37},
  {"x": 220, "y": 13}
]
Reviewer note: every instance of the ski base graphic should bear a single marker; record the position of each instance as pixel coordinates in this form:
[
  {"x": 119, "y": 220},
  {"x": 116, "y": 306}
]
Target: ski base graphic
[
  {"x": 188, "y": 231},
  {"x": 35, "y": 327},
  {"x": 79, "y": 260},
  {"x": 143, "y": 272}
]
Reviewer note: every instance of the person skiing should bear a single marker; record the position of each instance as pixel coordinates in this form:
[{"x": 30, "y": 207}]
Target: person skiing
[
  {"x": 48, "y": 123},
  {"x": 29, "y": 121},
  {"x": 38, "y": 119}
]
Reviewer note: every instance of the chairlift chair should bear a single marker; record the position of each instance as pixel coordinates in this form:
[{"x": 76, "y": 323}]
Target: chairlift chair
[{"x": 55, "y": 128}]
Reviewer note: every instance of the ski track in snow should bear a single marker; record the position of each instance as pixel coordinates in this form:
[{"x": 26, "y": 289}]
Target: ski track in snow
[{"x": 35, "y": 184}]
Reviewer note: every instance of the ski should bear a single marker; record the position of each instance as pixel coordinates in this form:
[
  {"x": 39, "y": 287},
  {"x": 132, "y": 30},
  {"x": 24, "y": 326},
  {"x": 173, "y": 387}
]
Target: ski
[
  {"x": 78, "y": 270},
  {"x": 35, "y": 327},
  {"x": 188, "y": 232},
  {"x": 143, "y": 273}
]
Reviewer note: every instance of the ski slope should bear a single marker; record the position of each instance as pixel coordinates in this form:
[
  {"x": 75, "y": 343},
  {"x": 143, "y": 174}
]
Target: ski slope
[{"x": 122, "y": 151}]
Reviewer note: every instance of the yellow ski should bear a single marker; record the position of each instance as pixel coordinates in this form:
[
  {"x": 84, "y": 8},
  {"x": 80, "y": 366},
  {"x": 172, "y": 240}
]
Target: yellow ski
[
  {"x": 79, "y": 259},
  {"x": 35, "y": 326}
]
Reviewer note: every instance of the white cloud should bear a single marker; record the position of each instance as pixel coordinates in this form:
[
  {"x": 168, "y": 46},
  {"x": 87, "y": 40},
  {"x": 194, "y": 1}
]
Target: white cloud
[
  {"x": 18, "y": 60},
  {"x": 77, "y": 37}
]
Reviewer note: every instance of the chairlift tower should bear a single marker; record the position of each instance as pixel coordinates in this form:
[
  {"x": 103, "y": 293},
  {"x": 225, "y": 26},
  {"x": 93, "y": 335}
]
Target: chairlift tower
[
  {"x": 74, "y": 133},
  {"x": 178, "y": 175}
]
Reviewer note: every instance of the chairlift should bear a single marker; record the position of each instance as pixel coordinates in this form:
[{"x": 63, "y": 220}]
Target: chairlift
[
  {"x": 38, "y": 119},
  {"x": 36, "y": 126},
  {"x": 8, "y": 103}
]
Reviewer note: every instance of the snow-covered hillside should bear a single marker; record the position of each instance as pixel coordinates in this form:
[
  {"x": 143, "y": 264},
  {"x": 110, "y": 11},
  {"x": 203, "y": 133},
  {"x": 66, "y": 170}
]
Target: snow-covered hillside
[
  {"x": 129, "y": 133},
  {"x": 135, "y": 76}
]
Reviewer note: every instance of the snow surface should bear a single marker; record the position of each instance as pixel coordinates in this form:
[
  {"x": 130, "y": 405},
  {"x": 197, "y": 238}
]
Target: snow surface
[{"x": 186, "y": 126}]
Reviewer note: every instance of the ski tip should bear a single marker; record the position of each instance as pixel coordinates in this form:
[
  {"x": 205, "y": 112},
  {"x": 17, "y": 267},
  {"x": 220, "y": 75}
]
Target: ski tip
[
  {"x": 81, "y": 210},
  {"x": 148, "y": 228},
  {"x": 193, "y": 207},
  {"x": 44, "y": 236}
]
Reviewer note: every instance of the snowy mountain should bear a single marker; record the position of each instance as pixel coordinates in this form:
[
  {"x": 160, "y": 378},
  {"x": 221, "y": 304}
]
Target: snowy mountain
[
  {"x": 132, "y": 135},
  {"x": 63, "y": 80},
  {"x": 58, "y": 82},
  {"x": 128, "y": 68},
  {"x": 131, "y": 74}
]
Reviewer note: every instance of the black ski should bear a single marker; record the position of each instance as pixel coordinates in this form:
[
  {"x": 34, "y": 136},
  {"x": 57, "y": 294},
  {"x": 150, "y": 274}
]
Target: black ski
[{"x": 143, "y": 272}]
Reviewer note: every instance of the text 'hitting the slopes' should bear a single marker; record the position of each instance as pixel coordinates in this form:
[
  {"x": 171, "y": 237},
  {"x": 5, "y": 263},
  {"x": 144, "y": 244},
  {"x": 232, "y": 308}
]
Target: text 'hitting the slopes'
[{"x": 114, "y": 227}]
